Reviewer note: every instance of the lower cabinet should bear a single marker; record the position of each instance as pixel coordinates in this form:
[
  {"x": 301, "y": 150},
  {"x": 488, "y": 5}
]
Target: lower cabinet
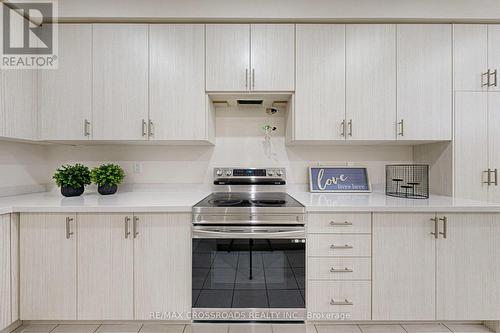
[
  {"x": 436, "y": 266},
  {"x": 5, "y": 273},
  {"x": 48, "y": 266},
  {"x": 112, "y": 266},
  {"x": 105, "y": 267}
]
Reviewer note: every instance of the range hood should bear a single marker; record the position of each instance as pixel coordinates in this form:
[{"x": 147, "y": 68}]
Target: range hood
[{"x": 250, "y": 100}]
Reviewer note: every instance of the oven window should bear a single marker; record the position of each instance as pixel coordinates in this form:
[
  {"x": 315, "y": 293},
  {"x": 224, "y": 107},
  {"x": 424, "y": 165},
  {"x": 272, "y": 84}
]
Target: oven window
[{"x": 248, "y": 273}]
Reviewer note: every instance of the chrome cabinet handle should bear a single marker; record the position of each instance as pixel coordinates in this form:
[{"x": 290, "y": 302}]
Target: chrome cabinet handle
[
  {"x": 86, "y": 127},
  {"x": 401, "y": 127},
  {"x": 342, "y": 128},
  {"x": 345, "y": 223},
  {"x": 134, "y": 226},
  {"x": 344, "y": 302},
  {"x": 494, "y": 73},
  {"x": 346, "y": 246},
  {"x": 253, "y": 78},
  {"x": 144, "y": 128},
  {"x": 127, "y": 230},
  {"x": 488, "y": 179},
  {"x": 436, "y": 228},
  {"x": 246, "y": 78},
  {"x": 340, "y": 270},
  {"x": 350, "y": 127},
  {"x": 445, "y": 226},
  {"x": 68, "y": 227},
  {"x": 495, "y": 181},
  {"x": 487, "y": 83},
  {"x": 151, "y": 128}
]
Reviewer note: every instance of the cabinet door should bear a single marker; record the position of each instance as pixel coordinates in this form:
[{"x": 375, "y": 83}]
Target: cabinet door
[
  {"x": 176, "y": 73},
  {"x": 5, "y": 272},
  {"x": 164, "y": 284},
  {"x": 494, "y": 145},
  {"x": 105, "y": 267},
  {"x": 424, "y": 92},
  {"x": 470, "y": 56},
  {"x": 227, "y": 57},
  {"x": 494, "y": 55},
  {"x": 320, "y": 89},
  {"x": 370, "y": 81},
  {"x": 14, "y": 265},
  {"x": 273, "y": 57},
  {"x": 404, "y": 257},
  {"x": 467, "y": 268},
  {"x": 120, "y": 89},
  {"x": 471, "y": 144},
  {"x": 65, "y": 94},
  {"x": 48, "y": 266},
  {"x": 19, "y": 104}
]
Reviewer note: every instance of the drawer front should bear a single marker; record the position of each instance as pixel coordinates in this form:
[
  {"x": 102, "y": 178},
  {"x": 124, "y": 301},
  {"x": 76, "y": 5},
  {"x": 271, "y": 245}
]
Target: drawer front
[
  {"x": 339, "y": 268},
  {"x": 343, "y": 298},
  {"x": 339, "y": 245},
  {"x": 356, "y": 223}
]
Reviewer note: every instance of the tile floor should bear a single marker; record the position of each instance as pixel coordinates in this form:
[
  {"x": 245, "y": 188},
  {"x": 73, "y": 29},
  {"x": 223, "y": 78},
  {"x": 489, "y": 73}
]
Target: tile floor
[{"x": 250, "y": 328}]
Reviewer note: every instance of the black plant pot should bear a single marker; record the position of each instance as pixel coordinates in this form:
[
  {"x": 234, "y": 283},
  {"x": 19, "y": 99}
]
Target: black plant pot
[
  {"x": 106, "y": 189},
  {"x": 71, "y": 192}
]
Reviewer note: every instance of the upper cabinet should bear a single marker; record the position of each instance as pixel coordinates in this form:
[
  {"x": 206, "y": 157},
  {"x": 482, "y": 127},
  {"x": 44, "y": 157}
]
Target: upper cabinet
[
  {"x": 370, "y": 81},
  {"x": 120, "y": 81},
  {"x": 424, "y": 76},
  {"x": 243, "y": 57},
  {"x": 476, "y": 57},
  {"x": 65, "y": 94},
  {"x": 177, "y": 102}
]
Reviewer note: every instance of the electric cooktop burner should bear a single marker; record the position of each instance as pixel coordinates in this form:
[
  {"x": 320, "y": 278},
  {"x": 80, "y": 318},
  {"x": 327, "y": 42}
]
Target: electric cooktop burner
[{"x": 244, "y": 199}]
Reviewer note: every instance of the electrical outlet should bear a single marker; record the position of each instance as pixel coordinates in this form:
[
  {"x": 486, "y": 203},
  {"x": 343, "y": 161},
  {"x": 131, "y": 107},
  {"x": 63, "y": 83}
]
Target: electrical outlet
[{"x": 137, "y": 167}]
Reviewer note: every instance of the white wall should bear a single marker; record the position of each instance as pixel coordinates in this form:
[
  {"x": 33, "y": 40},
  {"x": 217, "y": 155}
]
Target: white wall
[
  {"x": 23, "y": 167},
  {"x": 448, "y": 10}
]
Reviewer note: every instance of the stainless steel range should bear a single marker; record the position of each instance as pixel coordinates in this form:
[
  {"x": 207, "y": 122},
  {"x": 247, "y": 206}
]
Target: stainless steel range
[{"x": 249, "y": 249}]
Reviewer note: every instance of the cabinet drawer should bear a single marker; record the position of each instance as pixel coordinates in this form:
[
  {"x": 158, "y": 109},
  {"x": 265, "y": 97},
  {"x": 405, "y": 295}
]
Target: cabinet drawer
[
  {"x": 338, "y": 223},
  {"x": 339, "y": 268},
  {"x": 340, "y": 297},
  {"x": 330, "y": 245}
]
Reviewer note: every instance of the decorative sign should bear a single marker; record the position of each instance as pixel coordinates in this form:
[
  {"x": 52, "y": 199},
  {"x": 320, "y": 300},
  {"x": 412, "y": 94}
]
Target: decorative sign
[{"x": 339, "y": 179}]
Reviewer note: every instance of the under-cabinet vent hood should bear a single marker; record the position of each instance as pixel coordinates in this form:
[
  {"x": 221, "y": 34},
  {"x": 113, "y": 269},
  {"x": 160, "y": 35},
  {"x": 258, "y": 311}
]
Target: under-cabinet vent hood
[{"x": 250, "y": 100}]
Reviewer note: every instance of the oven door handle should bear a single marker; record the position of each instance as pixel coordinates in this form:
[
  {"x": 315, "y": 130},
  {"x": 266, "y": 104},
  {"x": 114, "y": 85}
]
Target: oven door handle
[{"x": 260, "y": 234}]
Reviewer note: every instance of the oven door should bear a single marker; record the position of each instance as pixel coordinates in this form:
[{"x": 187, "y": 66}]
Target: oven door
[{"x": 248, "y": 273}]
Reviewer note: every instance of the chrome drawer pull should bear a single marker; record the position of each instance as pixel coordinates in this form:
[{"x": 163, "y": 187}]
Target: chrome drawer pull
[
  {"x": 345, "y": 223},
  {"x": 344, "y": 302},
  {"x": 347, "y": 246},
  {"x": 340, "y": 270}
]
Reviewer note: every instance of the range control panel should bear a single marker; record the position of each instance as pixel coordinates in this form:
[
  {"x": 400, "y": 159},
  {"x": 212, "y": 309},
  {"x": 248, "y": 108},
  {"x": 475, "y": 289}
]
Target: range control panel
[{"x": 226, "y": 176}]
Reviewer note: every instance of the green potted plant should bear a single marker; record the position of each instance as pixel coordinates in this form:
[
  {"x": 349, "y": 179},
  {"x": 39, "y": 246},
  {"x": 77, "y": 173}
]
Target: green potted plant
[
  {"x": 107, "y": 177},
  {"x": 72, "y": 179}
]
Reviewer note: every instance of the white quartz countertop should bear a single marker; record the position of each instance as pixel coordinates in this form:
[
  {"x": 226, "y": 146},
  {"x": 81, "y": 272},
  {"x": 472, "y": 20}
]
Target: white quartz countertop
[{"x": 182, "y": 199}]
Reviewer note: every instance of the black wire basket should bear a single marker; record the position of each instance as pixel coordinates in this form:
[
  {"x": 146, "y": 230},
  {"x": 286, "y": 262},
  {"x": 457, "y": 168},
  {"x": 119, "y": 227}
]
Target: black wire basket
[{"x": 407, "y": 181}]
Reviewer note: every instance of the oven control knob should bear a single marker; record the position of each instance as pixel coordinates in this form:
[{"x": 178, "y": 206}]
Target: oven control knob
[
  {"x": 219, "y": 172},
  {"x": 270, "y": 173},
  {"x": 279, "y": 173},
  {"x": 228, "y": 173}
]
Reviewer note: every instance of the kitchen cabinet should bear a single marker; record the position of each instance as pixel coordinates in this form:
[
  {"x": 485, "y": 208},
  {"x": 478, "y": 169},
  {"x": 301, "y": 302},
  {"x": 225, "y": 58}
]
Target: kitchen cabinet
[
  {"x": 256, "y": 57},
  {"x": 120, "y": 82},
  {"x": 65, "y": 94},
  {"x": 178, "y": 108},
  {"x": 404, "y": 255},
  {"x": 467, "y": 267},
  {"x": 319, "y": 110},
  {"x": 105, "y": 267},
  {"x": 477, "y": 135},
  {"x": 20, "y": 119},
  {"x": 424, "y": 88},
  {"x": 5, "y": 272},
  {"x": 162, "y": 264},
  {"x": 370, "y": 81},
  {"x": 476, "y": 59},
  {"x": 47, "y": 266}
]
